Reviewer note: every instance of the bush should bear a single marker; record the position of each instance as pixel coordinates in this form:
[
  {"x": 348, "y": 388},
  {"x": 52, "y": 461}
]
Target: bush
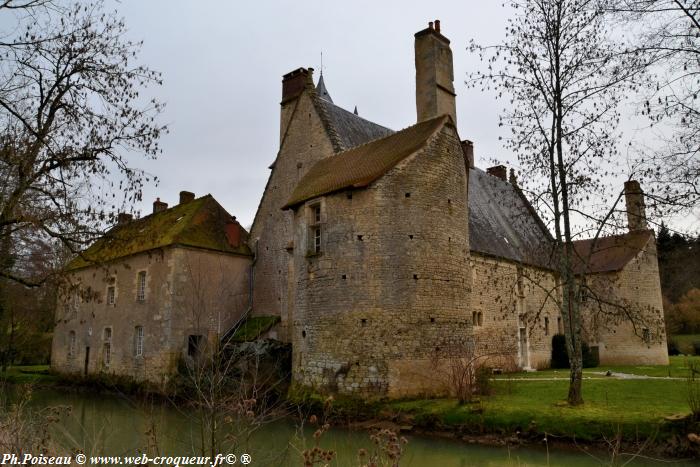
[
  {"x": 483, "y": 381},
  {"x": 696, "y": 348},
  {"x": 560, "y": 356},
  {"x": 673, "y": 347},
  {"x": 590, "y": 356}
]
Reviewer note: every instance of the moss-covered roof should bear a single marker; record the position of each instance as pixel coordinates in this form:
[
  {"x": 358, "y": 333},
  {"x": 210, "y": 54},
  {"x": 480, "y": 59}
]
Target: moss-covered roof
[
  {"x": 361, "y": 165},
  {"x": 254, "y": 327},
  {"x": 201, "y": 223}
]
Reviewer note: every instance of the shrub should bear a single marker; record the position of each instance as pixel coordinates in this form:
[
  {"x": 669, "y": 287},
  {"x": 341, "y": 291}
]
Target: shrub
[
  {"x": 560, "y": 356},
  {"x": 482, "y": 381},
  {"x": 590, "y": 357},
  {"x": 696, "y": 348},
  {"x": 673, "y": 347}
]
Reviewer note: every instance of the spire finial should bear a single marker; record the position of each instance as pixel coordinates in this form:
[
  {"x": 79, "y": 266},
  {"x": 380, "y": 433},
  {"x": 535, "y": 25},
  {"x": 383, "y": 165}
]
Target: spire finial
[
  {"x": 356, "y": 111},
  {"x": 321, "y": 62}
]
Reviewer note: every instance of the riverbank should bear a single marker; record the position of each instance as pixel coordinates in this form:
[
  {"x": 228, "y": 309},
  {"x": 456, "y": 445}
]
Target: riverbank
[{"x": 643, "y": 405}]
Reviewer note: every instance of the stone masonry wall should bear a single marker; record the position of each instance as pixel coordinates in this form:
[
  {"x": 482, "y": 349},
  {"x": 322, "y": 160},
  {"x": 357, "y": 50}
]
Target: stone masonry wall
[
  {"x": 389, "y": 294},
  {"x": 518, "y": 318},
  {"x": 183, "y": 295},
  {"x": 305, "y": 143},
  {"x": 619, "y": 330}
]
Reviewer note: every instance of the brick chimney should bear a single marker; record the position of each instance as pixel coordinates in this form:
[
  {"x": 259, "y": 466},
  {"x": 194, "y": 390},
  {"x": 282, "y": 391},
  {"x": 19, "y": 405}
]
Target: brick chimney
[
  {"x": 293, "y": 84},
  {"x": 186, "y": 197},
  {"x": 124, "y": 218},
  {"x": 636, "y": 211},
  {"x": 468, "y": 150},
  {"x": 159, "y": 206},
  {"x": 435, "y": 92},
  {"x": 499, "y": 171}
]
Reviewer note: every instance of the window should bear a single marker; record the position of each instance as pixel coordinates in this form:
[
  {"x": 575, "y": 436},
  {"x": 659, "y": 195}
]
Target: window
[
  {"x": 141, "y": 286},
  {"x": 194, "y": 345},
  {"x": 138, "y": 341},
  {"x": 315, "y": 230},
  {"x": 477, "y": 318},
  {"x": 560, "y": 326},
  {"x": 106, "y": 354},
  {"x": 107, "y": 334},
  {"x": 546, "y": 325},
  {"x": 646, "y": 335},
  {"x": 111, "y": 295},
  {"x": 71, "y": 344}
]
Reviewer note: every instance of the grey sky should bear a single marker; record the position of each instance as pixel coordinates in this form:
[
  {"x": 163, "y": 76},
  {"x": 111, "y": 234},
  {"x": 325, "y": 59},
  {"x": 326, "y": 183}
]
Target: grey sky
[{"x": 222, "y": 64}]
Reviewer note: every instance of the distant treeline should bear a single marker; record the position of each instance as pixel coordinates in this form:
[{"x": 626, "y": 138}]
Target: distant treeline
[{"x": 679, "y": 268}]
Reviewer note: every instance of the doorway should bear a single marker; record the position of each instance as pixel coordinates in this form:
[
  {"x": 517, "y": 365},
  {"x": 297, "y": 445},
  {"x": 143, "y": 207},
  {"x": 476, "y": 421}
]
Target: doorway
[
  {"x": 87, "y": 359},
  {"x": 524, "y": 355}
]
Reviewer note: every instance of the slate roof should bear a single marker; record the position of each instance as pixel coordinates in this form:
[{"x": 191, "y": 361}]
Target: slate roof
[
  {"x": 346, "y": 129},
  {"x": 321, "y": 90},
  {"x": 611, "y": 253},
  {"x": 502, "y": 223},
  {"x": 201, "y": 223},
  {"x": 360, "y": 166}
]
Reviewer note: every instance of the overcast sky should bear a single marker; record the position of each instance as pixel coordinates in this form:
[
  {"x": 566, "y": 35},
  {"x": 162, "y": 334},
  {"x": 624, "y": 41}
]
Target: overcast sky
[{"x": 223, "y": 61}]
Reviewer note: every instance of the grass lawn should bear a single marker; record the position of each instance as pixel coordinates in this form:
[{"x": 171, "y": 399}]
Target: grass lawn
[
  {"x": 677, "y": 368},
  {"x": 636, "y": 406},
  {"x": 28, "y": 374}
]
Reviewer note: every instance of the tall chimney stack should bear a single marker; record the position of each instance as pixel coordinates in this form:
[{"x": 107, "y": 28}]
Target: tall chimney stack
[
  {"x": 636, "y": 211},
  {"x": 293, "y": 84},
  {"x": 435, "y": 92}
]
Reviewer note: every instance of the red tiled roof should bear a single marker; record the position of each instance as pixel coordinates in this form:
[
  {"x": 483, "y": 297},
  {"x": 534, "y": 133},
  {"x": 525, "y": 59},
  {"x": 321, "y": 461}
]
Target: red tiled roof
[{"x": 611, "y": 253}]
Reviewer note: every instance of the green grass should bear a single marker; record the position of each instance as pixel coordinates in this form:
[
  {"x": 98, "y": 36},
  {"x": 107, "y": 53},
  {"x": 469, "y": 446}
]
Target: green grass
[
  {"x": 685, "y": 342},
  {"x": 636, "y": 407},
  {"x": 677, "y": 368},
  {"x": 28, "y": 374}
]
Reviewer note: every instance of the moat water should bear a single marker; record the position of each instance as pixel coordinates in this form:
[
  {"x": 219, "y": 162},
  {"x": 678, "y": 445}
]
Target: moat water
[{"x": 112, "y": 425}]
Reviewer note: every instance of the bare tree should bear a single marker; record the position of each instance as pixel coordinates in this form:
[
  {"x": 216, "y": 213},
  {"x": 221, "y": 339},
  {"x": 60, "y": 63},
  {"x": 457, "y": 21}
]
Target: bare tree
[
  {"x": 667, "y": 35},
  {"x": 563, "y": 76},
  {"x": 69, "y": 112}
]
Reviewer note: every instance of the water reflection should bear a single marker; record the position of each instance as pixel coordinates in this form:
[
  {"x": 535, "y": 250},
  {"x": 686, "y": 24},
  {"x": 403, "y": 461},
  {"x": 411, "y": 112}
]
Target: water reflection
[{"x": 112, "y": 425}]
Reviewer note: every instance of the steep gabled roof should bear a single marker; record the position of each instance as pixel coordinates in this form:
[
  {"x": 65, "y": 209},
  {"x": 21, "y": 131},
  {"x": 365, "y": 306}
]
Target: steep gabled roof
[
  {"x": 503, "y": 224},
  {"x": 360, "y": 166},
  {"x": 201, "y": 223},
  {"x": 345, "y": 129},
  {"x": 611, "y": 253},
  {"x": 352, "y": 129}
]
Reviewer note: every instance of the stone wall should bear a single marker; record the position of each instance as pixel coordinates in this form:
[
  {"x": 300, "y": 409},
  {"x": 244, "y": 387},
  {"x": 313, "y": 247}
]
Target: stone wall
[
  {"x": 188, "y": 291},
  {"x": 621, "y": 306},
  {"x": 514, "y": 315},
  {"x": 389, "y": 293},
  {"x": 304, "y": 141}
]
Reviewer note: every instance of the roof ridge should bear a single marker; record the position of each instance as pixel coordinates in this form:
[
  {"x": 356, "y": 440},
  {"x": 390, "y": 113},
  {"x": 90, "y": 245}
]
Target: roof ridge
[
  {"x": 333, "y": 133},
  {"x": 363, "y": 164},
  {"x": 394, "y": 133}
]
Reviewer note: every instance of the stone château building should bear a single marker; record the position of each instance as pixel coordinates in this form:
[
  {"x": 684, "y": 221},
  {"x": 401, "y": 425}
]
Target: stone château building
[
  {"x": 384, "y": 254},
  {"x": 153, "y": 290}
]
